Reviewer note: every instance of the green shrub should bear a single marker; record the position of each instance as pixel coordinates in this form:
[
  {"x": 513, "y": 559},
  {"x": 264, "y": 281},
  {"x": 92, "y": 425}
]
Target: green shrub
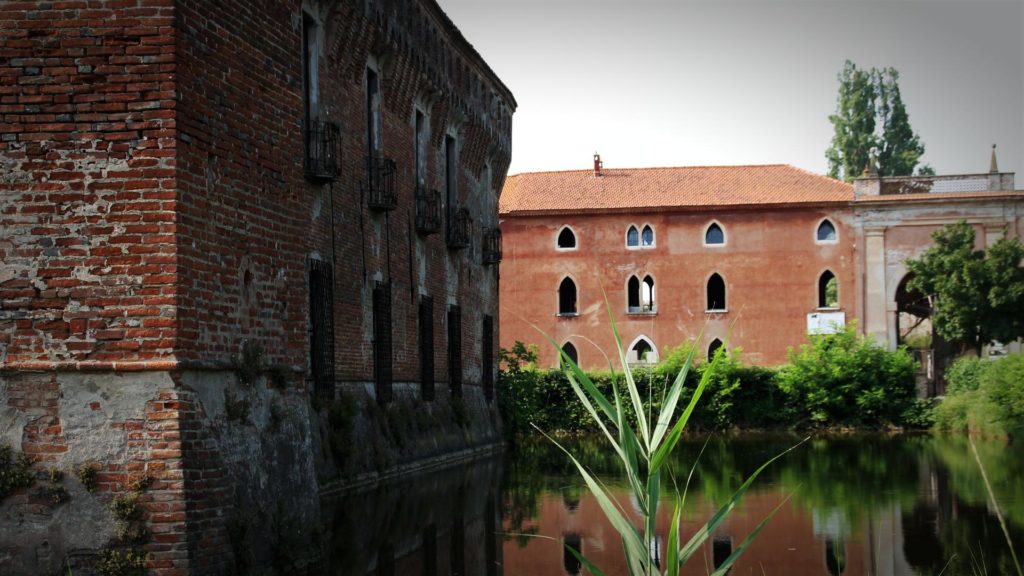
[
  {"x": 847, "y": 379},
  {"x": 964, "y": 375},
  {"x": 984, "y": 397},
  {"x": 1003, "y": 383},
  {"x": 15, "y": 471}
]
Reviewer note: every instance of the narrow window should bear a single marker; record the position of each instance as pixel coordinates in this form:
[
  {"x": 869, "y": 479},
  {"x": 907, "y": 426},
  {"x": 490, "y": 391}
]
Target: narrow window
[
  {"x": 826, "y": 231},
  {"x": 828, "y": 290},
  {"x": 373, "y": 135},
  {"x": 571, "y": 564},
  {"x": 571, "y": 352},
  {"x": 716, "y": 293},
  {"x": 310, "y": 68},
  {"x": 715, "y": 346},
  {"x": 633, "y": 294},
  {"x": 721, "y": 549},
  {"x": 648, "y": 236},
  {"x": 714, "y": 235},
  {"x": 566, "y": 239},
  {"x": 382, "y": 340},
  {"x": 420, "y": 145},
  {"x": 487, "y": 357},
  {"x": 426, "y": 325},
  {"x": 455, "y": 350},
  {"x": 632, "y": 237},
  {"x": 567, "y": 297},
  {"x": 321, "y": 327},
  {"x": 647, "y": 294},
  {"x": 450, "y": 174},
  {"x": 430, "y": 550}
]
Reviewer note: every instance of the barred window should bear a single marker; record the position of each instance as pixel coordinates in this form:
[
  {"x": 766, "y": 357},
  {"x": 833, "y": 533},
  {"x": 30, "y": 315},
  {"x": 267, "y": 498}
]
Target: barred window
[
  {"x": 426, "y": 322},
  {"x": 382, "y": 340},
  {"x": 455, "y": 350},
  {"x": 487, "y": 357},
  {"x": 321, "y": 327}
]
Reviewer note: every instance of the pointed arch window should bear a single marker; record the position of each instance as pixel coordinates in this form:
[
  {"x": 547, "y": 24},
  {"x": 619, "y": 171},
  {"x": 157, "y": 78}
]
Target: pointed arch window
[
  {"x": 570, "y": 351},
  {"x": 642, "y": 352},
  {"x": 633, "y": 294},
  {"x": 715, "y": 346},
  {"x": 714, "y": 235},
  {"x": 828, "y": 290},
  {"x": 567, "y": 297},
  {"x": 716, "y": 294},
  {"x": 632, "y": 237},
  {"x": 647, "y": 236},
  {"x": 640, "y": 295},
  {"x": 826, "y": 231},
  {"x": 566, "y": 239}
]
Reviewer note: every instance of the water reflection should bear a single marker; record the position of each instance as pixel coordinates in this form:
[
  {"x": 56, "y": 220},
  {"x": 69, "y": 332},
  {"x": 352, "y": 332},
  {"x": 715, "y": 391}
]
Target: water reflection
[{"x": 864, "y": 505}]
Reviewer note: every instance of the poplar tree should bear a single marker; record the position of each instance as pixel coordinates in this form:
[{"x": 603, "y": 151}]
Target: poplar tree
[{"x": 870, "y": 114}]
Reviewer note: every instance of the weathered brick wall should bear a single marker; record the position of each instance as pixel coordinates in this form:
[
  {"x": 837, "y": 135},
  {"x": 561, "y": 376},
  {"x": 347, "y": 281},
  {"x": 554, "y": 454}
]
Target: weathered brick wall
[{"x": 87, "y": 156}]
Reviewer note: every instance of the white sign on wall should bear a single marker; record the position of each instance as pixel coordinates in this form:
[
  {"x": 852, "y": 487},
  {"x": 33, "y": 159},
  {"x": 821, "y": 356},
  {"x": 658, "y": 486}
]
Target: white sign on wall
[{"x": 826, "y": 322}]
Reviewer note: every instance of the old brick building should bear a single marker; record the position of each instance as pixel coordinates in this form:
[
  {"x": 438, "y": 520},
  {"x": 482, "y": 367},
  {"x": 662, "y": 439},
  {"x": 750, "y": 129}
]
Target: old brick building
[
  {"x": 755, "y": 256},
  {"x": 248, "y": 252}
]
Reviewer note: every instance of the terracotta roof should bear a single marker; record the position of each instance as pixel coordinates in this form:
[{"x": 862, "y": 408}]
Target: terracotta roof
[{"x": 650, "y": 188}]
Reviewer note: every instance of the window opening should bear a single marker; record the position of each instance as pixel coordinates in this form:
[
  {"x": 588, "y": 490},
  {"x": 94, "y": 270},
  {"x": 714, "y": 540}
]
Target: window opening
[
  {"x": 570, "y": 562},
  {"x": 716, "y": 293},
  {"x": 571, "y": 352},
  {"x": 455, "y": 350},
  {"x": 382, "y": 340},
  {"x": 487, "y": 357},
  {"x": 632, "y": 237},
  {"x": 566, "y": 238},
  {"x": 714, "y": 235},
  {"x": 321, "y": 327},
  {"x": 426, "y": 325},
  {"x": 633, "y": 294},
  {"x": 721, "y": 549},
  {"x": 648, "y": 236},
  {"x": 642, "y": 352},
  {"x": 419, "y": 143},
  {"x": 310, "y": 67},
  {"x": 373, "y": 135},
  {"x": 828, "y": 290},
  {"x": 567, "y": 297},
  {"x": 647, "y": 294},
  {"x": 451, "y": 192},
  {"x": 715, "y": 346},
  {"x": 826, "y": 231}
]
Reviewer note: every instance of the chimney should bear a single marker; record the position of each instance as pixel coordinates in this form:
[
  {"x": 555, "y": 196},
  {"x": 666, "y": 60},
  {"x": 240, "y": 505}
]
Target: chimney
[
  {"x": 993, "y": 164},
  {"x": 597, "y": 164}
]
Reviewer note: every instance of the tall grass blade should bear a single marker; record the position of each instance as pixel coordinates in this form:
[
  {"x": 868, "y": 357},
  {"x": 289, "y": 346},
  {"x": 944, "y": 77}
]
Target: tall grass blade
[
  {"x": 634, "y": 393},
  {"x": 995, "y": 506},
  {"x": 662, "y": 453},
  {"x": 726, "y": 565},
  {"x": 669, "y": 405}
]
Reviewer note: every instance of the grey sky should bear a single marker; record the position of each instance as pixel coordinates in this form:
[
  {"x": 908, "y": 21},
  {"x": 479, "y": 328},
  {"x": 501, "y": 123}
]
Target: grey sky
[{"x": 658, "y": 83}]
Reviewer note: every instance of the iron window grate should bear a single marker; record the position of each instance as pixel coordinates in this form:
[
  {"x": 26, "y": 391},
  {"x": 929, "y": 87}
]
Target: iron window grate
[
  {"x": 455, "y": 349},
  {"x": 382, "y": 368},
  {"x": 321, "y": 327},
  {"x": 487, "y": 357},
  {"x": 427, "y": 347}
]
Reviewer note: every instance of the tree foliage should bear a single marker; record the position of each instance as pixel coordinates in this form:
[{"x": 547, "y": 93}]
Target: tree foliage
[
  {"x": 870, "y": 114},
  {"x": 977, "y": 296}
]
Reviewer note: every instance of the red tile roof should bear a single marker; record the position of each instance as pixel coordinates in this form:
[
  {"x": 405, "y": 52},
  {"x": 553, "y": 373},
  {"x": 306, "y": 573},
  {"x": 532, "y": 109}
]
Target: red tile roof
[{"x": 661, "y": 188}]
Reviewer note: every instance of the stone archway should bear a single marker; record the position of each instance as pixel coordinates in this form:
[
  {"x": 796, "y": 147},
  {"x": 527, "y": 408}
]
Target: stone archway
[{"x": 914, "y": 329}]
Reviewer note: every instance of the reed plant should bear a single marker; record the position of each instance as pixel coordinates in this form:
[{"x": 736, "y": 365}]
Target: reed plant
[{"x": 643, "y": 439}]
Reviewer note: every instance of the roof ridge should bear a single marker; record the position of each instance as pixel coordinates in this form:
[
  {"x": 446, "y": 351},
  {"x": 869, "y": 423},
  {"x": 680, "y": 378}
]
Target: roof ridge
[{"x": 723, "y": 166}]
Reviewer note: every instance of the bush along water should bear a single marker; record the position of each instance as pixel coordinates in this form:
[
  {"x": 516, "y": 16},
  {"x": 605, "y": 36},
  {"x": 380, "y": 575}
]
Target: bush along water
[
  {"x": 984, "y": 397},
  {"x": 836, "y": 380}
]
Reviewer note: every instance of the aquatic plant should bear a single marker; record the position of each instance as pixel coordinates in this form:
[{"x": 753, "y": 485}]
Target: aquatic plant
[{"x": 643, "y": 439}]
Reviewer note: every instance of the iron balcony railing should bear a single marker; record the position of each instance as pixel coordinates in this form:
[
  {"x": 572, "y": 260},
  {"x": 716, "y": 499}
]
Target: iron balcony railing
[
  {"x": 323, "y": 156},
  {"x": 380, "y": 183},
  {"x": 428, "y": 210},
  {"x": 457, "y": 233},
  {"x": 492, "y": 246}
]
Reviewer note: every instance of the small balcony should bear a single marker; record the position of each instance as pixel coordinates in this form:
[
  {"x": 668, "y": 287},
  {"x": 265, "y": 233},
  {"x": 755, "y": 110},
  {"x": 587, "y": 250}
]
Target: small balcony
[
  {"x": 428, "y": 211},
  {"x": 457, "y": 232},
  {"x": 379, "y": 187},
  {"x": 323, "y": 157},
  {"x": 492, "y": 246}
]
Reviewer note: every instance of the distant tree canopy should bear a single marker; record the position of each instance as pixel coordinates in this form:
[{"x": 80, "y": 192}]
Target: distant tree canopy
[
  {"x": 870, "y": 114},
  {"x": 977, "y": 296}
]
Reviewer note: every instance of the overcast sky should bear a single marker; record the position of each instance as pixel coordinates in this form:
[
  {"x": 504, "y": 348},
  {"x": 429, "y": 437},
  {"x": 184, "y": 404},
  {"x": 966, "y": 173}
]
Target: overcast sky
[{"x": 686, "y": 82}]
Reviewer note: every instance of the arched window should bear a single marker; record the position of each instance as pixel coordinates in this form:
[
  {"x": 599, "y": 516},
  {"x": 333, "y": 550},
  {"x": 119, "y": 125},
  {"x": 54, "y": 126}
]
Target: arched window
[
  {"x": 642, "y": 352},
  {"x": 567, "y": 297},
  {"x": 647, "y": 294},
  {"x": 716, "y": 293},
  {"x": 828, "y": 290},
  {"x": 566, "y": 239},
  {"x": 571, "y": 352},
  {"x": 648, "y": 236},
  {"x": 632, "y": 237},
  {"x": 715, "y": 346},
  {"x": 633, "y": 294},
  {"x": 826, "y": 231},
  {"x": 714, "y": 235}
]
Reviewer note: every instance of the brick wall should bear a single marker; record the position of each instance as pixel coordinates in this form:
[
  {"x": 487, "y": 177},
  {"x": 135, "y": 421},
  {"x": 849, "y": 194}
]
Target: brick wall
[{"x": 87, "y": 153}]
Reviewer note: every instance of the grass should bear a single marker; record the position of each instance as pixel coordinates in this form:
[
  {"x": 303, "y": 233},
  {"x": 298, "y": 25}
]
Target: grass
[{"x": 643, "y": 444}]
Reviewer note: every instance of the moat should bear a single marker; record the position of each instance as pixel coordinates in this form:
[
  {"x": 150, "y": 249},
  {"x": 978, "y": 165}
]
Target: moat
[{"x": 851, "y": 505}]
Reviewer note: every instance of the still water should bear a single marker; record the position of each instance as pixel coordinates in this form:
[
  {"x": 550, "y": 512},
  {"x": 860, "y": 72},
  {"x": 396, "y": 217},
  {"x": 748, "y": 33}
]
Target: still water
[{"x": 851, "y": 505}]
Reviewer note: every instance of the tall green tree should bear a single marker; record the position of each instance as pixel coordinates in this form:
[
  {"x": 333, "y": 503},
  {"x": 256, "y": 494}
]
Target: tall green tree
[
  {"x": 977, "y": 296},
  {"x": 870, "y": 114}
]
